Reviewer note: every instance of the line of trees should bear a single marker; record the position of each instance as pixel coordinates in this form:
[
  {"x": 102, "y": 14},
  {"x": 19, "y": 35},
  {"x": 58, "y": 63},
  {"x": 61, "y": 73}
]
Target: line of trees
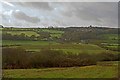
[{"x": 14, "y": 58}]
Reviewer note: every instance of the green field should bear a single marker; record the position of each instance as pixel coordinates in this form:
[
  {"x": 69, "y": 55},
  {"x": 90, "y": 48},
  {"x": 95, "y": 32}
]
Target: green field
[
  {"x": 56, "y": 35},
  {"x": 108, "y": 43},
  {"x": 73, "y": 48},
  {"x": 95, "y": 71},
  {"x": 11, "y": 42},
  {"x": 53, "y": 31},
  {"x": 111, "y": 36},
  {"x": 27, "y": 33}
]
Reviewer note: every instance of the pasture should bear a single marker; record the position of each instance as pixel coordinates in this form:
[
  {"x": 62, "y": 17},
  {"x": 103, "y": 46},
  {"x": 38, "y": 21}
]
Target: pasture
[
  {"x": 66, "y": 47},
  {"x": 27, "y": 33},
  {"x": 55, "y": 39},
  {"x": 95, "y": 71},
  {"x": 53, "y": 31},
  {"x": 22, "y": 42}
]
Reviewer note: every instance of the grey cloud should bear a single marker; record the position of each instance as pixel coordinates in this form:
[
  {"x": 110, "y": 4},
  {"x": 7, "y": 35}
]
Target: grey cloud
[
  {"x": 93, "y": 11},
  {"x": 66, "y": 13},
  {"x": 35, "y": 5},
  {"x": 22, "y": 16}
]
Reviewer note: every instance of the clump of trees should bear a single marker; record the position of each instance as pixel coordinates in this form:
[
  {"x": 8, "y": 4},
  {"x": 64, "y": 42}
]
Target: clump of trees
[{"x": 19, "y": 58}]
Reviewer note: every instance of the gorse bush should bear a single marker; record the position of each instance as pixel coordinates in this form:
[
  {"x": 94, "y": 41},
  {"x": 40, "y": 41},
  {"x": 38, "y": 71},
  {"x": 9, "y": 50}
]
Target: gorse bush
[
  {"x": 19, "y": 58},
  {"x": 48, "y": 58},
  {"x": 15, "y": 58}
]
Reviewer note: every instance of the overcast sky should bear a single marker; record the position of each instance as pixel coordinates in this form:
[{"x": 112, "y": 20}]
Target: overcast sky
[{"x": 29, "y": 14}]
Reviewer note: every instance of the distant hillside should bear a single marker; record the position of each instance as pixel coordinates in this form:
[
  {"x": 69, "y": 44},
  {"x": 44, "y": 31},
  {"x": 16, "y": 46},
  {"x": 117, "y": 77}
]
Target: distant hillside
[{"x": 101, "y": 36}]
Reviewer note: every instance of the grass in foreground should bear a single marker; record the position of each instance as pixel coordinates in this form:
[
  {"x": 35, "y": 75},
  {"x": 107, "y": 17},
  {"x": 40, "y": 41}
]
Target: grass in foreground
[{"x": 73, "y": 72}]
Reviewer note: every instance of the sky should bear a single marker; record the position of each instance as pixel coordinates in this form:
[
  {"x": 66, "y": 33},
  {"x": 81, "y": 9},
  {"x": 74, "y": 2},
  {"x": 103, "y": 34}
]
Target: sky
[{"x": 59, "y": 14}]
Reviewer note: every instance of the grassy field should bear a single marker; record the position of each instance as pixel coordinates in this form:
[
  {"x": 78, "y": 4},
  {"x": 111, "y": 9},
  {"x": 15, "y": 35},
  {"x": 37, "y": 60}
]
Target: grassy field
[
  {"x": 95, "y": 71},
  {"x": 110, "y": 36},
  {"x": 27, "y": 33},
  {"x": 53, "y": 31},
  {"x": 58, "y": 35},
  {"x": 11, "y": 42},
  {"x": 73, "y": 48},
  {"x": 101, "y": 70}
]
